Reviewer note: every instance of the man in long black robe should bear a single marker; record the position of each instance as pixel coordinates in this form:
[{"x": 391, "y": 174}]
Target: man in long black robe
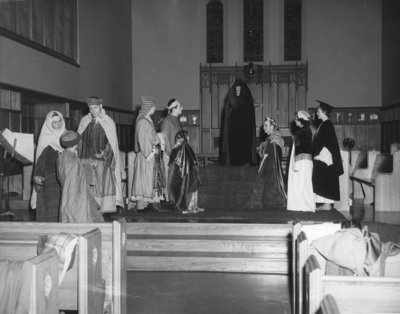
[
  {"x": 327, "y": 160},
  {"x": 238, "y": 144}
]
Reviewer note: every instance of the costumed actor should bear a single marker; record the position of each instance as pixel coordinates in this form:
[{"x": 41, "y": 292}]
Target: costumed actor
[
  {"x": 327, "y": 160},
  {"x": 149, "y": 173},
  {"x": 99, "y": 154},
  {"x": 78, "y": 204},
  {"x": 300, "y": 196},
  {"x": 46, "y": 192},
  {"x": 269, "y": 187},
  {"x": 184, "y": 178},
  {"x": 170, "y": 126},
  {"x": 238, "y": 143}
]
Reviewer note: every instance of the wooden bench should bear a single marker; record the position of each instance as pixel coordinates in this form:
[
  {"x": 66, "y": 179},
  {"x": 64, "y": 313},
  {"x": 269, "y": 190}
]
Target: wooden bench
[
  {"x": 301, "y": 249},
  {"x": 387, "y": 186},
  {"x": 363, "y": 170},
  {"x": 41, "y": 273},
  {"x": 351, "y": 294},
  {"x": 113, "y": 242},
  {"x": 82, "y": 288},
  {"x": 383, "y": 164},
  {"x": 222, "y": 247},
  {"x": 329, "y": 305}
]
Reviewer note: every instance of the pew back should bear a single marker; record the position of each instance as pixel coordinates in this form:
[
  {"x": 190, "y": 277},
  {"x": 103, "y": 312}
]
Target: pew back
[
  {"x": 81, "y": 288},
  {"x": 352, "y": 294},
  {"x": 113, "y": 255}
]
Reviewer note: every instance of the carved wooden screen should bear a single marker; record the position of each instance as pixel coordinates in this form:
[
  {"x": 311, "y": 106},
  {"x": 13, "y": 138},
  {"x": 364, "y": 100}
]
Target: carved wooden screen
[{"x": 278, "y": 91}]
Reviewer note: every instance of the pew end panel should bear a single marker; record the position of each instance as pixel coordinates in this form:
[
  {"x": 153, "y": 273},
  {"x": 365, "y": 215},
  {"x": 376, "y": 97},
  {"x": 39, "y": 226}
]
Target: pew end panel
[
  {"x": 79, "y": 283},
  {"x": 39, "y": 276},
  {"x": 92, "y": 286},
  {"x": 387, "y": 184},
  {"x": 119, "y": 271},
  {"x": 329, "y": 305},
  {"x": 364, "y": 173},
  {"x": 113, "y": 257},
  {"x": 44, "y": 293},
  {"x": 345, "y": 201}
]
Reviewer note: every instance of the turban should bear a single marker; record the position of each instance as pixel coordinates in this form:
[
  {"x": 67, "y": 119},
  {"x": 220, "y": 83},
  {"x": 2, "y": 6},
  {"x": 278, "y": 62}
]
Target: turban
[
  {"x": 94, "y": 101},
  {"x": 303, "y": 115},
  {"x": 172, "y": 104},
  {"x": 70, "y": 139},
  {"x": 147, "y": 104}
]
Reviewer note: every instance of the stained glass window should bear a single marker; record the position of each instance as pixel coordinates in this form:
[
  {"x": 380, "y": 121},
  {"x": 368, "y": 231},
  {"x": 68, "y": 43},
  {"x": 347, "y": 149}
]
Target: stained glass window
[
  {"x": 215, "y": 29},
  {"x": 292, "y": 20},
  {"x": 47, "y": 25},
  {"x": 253, "y": 37}
]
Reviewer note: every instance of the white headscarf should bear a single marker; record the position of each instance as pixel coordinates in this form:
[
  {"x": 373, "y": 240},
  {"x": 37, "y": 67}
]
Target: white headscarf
[{"x": 49, "y": 135}]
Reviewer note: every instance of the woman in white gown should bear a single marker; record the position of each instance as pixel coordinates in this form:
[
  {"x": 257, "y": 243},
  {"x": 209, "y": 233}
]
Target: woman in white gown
[{"x": 300, "y": 188}]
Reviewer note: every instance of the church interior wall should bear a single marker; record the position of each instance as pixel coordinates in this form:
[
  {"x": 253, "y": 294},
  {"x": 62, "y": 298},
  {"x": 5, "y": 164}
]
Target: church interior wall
[
  {"x": 104, "y": 58},
  {"x": 341, "y": 43}
]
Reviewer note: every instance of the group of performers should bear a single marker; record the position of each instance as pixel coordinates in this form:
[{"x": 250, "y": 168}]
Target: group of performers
[
  {"x": 77, "y": 175},
  {"x": 313, "y": 171},
  {"x": 166, "y": 168}
]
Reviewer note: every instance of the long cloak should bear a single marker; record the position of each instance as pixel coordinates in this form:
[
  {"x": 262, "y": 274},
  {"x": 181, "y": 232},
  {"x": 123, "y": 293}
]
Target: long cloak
[
  {"x": 269, "y": 187},
  {"x": 238, "y": 143},
  {"x": 111, "y": 133},
  {"x": 325, "y": 178},
  {"x": 143, "y": 178},
  {"x": 77, "y": 201},
  {"x": 184, "y": 178},
  {"x": 49, "y": 193}
]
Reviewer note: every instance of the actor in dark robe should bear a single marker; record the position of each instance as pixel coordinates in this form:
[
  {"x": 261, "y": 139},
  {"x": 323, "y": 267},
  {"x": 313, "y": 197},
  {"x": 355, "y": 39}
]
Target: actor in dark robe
[
  {"x": 269, "y": 188},
  {"x": 184, "y": 178},
  {"x": 327, "y": 160},
  {"x": 46, "y": 194},
  {"x": 238, "y": 144},
  {"x": 77, "y": 201},
  {"x": 99, "y": 154},
  {"x": 49, "y": 190}
]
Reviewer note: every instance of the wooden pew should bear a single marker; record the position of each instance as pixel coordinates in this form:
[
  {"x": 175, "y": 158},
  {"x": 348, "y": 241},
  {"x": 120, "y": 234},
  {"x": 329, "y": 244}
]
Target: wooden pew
[
  {"x": 394, "y": 147},
  {"x": 301, "y": 249},
  {"x": 352, "y": 294},
  {"x": 387, "y": 184},
  {"x": 383, "y": 165},
  {"x": 222, "y": 247},
  {"x": 113, "y": 242},
  {"x": 82, "y": 288},
  {"x": 329, "y": 305},
  {"x": 344, "y": 204},
  {"x": 363, "y": 171},
  {"x": 42, "y": 271}
]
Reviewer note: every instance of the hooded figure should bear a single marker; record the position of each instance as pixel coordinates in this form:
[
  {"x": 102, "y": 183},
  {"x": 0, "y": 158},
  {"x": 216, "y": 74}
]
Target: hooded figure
[
  {"x": 238, "y": 144},
  {"x": 46, "y": 194}
]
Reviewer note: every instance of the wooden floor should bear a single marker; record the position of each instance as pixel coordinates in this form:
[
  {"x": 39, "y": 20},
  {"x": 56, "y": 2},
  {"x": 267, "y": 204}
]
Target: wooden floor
[{"x": 201, "y": 292}]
